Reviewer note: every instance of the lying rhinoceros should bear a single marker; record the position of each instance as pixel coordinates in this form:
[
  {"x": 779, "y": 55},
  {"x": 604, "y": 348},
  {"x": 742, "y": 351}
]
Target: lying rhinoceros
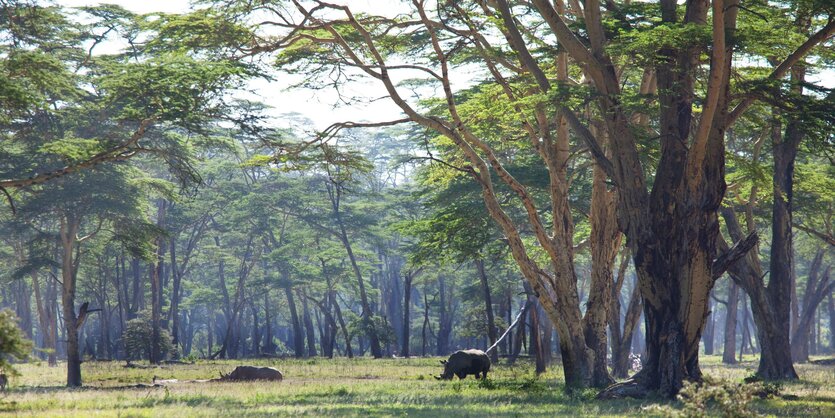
[
  {"x": 253, "y": 373},
  {"x": 464, "y": 362}
]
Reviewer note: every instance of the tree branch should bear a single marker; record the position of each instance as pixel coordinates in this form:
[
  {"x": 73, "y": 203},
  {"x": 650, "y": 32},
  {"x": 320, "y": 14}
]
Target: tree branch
[
  {"x": 113, "y": 154},
  {"x": 784, "y": 67},
  {"x": 733, "y": 254}
]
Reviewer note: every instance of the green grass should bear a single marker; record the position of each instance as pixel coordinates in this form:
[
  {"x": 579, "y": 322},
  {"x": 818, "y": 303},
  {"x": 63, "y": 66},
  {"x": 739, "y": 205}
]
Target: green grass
[{"x": 361, "y": 387}]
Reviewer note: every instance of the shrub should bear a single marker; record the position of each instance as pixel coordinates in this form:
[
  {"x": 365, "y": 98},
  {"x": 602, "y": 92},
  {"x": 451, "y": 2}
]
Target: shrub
[
  {"x": 137, "y": 339},
  {"x": 714, "y": 398},
  {"x": 13, "y": 344}
]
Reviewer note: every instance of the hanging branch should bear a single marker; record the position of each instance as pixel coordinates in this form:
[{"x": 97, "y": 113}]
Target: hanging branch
[{"x": 507, "y": 331}]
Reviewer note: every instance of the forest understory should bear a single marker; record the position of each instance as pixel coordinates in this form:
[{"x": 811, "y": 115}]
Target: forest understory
[{"x": 366, "y": 387}]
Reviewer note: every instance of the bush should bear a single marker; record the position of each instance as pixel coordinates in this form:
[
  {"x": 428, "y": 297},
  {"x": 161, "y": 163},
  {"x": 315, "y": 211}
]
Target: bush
[
  {"x": 13, "y": 344},
  {"x": 377, "y": 325},
  {"x": 137, "y": 339},
  {"x": 715, "y": 398}
]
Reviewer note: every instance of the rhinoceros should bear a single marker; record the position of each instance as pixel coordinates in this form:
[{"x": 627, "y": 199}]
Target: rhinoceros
[
  {"x": 253, "y": 373},
  {"x": 464, "y": 362}
]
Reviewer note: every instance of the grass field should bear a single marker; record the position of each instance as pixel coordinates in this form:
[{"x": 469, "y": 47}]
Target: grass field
[{"x": 362, "y": 387}]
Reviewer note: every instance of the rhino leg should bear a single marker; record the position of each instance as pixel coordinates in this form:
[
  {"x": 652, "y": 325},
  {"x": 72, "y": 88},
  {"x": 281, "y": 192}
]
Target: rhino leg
[
  {"x": 483, "y": 375},
  {"x": 478, "y": 375},
  {"x": 461, "y": 375}
]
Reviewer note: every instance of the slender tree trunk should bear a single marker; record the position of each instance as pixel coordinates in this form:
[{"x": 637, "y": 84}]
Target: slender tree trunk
[
  {"x": 775, "y": 351},
  {"x": 138, "y": 290},
  {"x": 707, "y": 336},
  {"x": 407, "y": 306},
  {"x": 269, "y": 346},
  {"x": 817, "y": 287},
  {"x": 831, "y": 306},
  {"x": 156, "y": 287},
  {"x": 308, "y": 326},
  {"x": 536, "y": 342},
  {"x": 492, "y": 335},
  {"x": 174, "y": 311},
  {"x": 746, "y": 335},
  {"x": 298, "y": 335},
  {"x": 620, "y": 352},
  {"x": 349, "y": 351},
  {"x": 444, "y": 319},
  {"x": 729, "y": 353},
  {"x": 425, "y": 322},
  {"x": 45, "y": 319},
  {"x": 335, "y": 193}
]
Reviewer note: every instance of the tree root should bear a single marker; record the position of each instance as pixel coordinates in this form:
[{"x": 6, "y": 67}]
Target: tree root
[
  {"x": 636, "y": 387},
  {"x": 628, "y": 389}
]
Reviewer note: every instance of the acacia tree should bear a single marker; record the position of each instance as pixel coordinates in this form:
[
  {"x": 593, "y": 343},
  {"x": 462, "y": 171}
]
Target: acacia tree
[
  {"x": 73, "y": 111},
  {"x": 668, "y": 212}
]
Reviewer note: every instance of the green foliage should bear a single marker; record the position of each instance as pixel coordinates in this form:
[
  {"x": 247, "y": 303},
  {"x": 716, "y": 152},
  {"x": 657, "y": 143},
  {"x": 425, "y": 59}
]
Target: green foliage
[
  {"x": 13, "y": 344},
  {"x": 137, "y": 338},
  {"x": 377, "y": 325}
]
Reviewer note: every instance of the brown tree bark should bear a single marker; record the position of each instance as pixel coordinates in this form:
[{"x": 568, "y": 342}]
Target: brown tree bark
[{"x": 605, "y": 243}]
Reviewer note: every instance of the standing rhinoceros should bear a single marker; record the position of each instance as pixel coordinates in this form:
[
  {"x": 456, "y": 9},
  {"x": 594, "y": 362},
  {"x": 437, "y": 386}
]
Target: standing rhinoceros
[
  {"x": 253, "y": 373},
  {"x": 464, "y": 362}
]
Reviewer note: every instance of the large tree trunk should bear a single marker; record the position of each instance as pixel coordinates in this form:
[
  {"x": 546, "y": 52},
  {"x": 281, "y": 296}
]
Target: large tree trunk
[
  {"x": 69, "y": 267},
  {"x": 605, "y": 243},
  {"x": 492, "y": 335}
]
